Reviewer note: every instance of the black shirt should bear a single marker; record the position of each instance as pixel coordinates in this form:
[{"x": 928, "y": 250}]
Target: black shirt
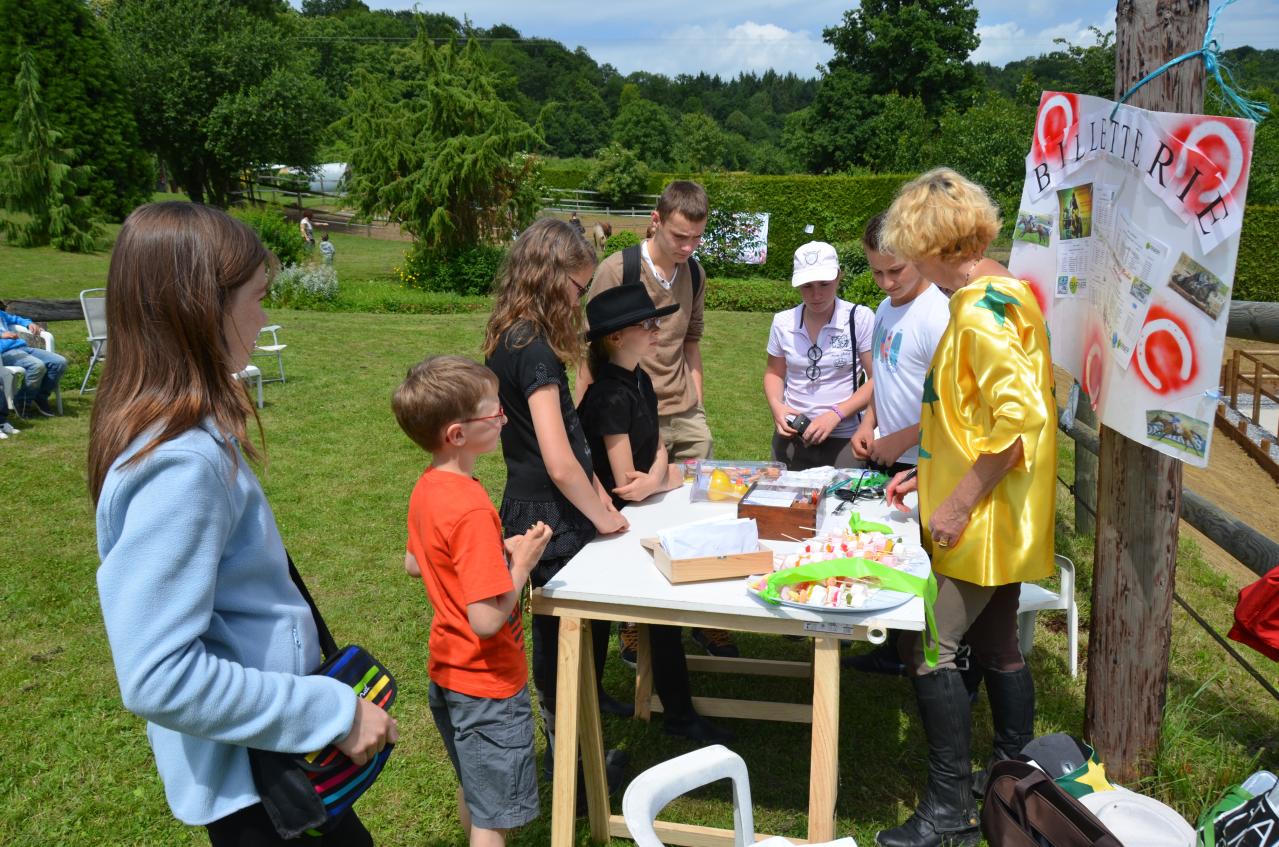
[
  {"x": 521, "y": 370},
  {"x": 620, "y": 402}
]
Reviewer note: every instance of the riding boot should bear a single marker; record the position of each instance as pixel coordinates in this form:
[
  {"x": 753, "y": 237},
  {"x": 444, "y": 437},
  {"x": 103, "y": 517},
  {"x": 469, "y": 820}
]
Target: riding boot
[
  {"x": 946, "y": 815},
  {"x": 1012, "y": 711}
]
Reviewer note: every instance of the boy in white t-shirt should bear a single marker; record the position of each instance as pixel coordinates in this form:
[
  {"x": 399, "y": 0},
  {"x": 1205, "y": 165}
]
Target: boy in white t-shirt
[{"x": 908, "y": 325}]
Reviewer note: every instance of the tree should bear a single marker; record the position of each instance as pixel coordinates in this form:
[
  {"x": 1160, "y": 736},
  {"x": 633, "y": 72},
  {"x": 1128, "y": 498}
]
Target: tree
[
  {"x": 440, "y": 152},
  {"x": 1092, "y": 67},
  {"x": 987, "y": 143},
  {"x": 220, "y": 89},
  {"x": 37, "y": 181},
  {"x": 897, "y": 135},
  {"x": 84, "y": 96},
  {"x": 576, "y": 122},
  {"x": 617, "y": 175},
  {"x": 645, "y": 127},
  {"x": 915, "y": 48},
  {"x": 699, "y": 143}
]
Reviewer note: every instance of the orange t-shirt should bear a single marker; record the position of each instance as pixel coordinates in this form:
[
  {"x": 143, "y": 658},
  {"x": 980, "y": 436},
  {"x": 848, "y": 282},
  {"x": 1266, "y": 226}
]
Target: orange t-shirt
[{"x": 456, "y": 537}]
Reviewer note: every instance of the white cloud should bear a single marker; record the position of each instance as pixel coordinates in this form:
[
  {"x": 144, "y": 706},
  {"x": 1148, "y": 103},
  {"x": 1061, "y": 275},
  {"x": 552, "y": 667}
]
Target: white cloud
[
  {"x": 1004, "y": 42},
  {"x": 717, "y": 49}
]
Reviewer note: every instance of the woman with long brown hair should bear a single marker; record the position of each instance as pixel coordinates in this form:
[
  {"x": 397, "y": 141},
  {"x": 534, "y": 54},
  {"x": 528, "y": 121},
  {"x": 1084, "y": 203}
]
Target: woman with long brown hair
[{"x": 212, "y": 641}]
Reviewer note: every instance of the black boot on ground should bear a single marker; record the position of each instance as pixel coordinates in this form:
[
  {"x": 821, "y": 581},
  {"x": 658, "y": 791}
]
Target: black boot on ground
[
  {"x": 946, "y": 815},
  {"x": 1012, "y": 711}
]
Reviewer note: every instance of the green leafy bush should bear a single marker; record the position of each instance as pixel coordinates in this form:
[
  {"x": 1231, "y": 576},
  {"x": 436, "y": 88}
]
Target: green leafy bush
[
  {"x": 1258, "y": 255},
  {"x": 467, "y": 271},
  {"x": 620, "y": 241},
  {"x": 278, "y": 233},
  {"x": 304, "y": 285}
]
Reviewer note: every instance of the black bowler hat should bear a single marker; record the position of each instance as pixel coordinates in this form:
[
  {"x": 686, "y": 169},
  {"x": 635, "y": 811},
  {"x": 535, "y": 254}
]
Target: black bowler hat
[{"x": 620, "y": 307}]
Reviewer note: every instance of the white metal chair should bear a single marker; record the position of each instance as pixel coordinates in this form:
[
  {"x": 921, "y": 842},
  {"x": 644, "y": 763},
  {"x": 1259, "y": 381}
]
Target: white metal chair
[
  {"x": 652, "y": 790},
  {"x": 11, "y": 387},
  {"x": 1036, "y": 599},
  {"x": 93, "y": 302},
  {"x": 275, "y": 348},
  {"x": 254, "y": 375}
]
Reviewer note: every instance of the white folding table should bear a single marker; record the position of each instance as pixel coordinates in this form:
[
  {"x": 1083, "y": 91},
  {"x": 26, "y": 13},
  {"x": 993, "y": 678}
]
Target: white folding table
[{"x": 614, "y": 579}]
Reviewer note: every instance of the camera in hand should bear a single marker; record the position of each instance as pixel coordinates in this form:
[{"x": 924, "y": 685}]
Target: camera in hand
[{"x": 799, "y": 423}]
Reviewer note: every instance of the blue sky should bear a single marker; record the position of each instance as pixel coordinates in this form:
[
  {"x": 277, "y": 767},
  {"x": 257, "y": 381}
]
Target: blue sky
[{"x": 728, "y": 36}]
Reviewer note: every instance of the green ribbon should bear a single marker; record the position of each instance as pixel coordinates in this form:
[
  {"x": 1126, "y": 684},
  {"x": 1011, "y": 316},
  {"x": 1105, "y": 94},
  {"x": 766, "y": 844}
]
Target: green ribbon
[
  {"x": 890, "y": 578},
  {"x": 856, "y": 524}
]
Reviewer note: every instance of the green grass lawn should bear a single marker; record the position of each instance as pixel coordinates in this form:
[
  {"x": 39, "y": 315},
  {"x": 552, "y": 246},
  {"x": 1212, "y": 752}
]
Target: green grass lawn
[{"x": 338, "y": 478}]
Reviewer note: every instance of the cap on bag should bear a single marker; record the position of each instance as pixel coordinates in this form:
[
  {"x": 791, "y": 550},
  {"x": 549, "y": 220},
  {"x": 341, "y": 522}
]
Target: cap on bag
[
  {"x": 620, "y": 307},
  {"x": 815, "y": 261}
]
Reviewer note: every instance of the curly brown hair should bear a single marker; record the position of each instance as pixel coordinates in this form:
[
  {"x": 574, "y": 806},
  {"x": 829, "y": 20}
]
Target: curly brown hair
[{"x": 534, "y": 288}]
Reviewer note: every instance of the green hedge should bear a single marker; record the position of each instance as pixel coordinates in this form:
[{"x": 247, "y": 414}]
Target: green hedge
[
  {"x": 837, "y": 207},
  {"x": 724, "y": 294},
  {"x": 1257, "y": 272}
]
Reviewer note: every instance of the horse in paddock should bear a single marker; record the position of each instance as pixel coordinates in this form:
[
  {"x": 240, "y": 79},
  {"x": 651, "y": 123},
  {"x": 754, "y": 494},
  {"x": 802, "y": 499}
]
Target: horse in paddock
[{"x": 600, "y": 233}]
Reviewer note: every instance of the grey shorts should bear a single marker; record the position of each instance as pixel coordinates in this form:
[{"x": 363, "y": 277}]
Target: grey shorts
[{"x": 490, "y": 743}]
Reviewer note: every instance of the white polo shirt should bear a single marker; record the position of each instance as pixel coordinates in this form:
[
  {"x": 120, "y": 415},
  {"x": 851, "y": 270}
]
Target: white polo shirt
[{"x": 836, "y": 365}]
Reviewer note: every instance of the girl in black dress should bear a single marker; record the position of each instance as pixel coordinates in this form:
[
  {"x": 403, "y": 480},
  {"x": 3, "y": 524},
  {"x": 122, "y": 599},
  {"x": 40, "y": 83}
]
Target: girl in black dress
[
  {"x": 534, "y": 331},
  {"x": 619, "y": 414}
]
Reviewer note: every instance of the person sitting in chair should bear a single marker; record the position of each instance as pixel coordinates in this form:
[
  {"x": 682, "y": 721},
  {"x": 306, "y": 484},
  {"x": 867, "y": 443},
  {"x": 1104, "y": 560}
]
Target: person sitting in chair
[{"x": 43, "y": 369}]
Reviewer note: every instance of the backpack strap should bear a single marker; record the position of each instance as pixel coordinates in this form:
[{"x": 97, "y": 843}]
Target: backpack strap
[
  {"x": 631, "y": 269},
  {"x": 631, "y": 265},
  {"x": 852, "y": 334},
  {"x": 328, "y": 647}
]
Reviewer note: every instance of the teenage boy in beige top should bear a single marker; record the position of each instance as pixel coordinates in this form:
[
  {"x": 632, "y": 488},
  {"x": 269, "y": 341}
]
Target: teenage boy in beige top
[{"x": 676, "y": 368}]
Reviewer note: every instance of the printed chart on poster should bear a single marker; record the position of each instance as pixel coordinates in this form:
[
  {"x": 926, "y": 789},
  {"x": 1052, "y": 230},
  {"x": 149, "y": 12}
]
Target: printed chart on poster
[{"x": 1128, "y": 231}]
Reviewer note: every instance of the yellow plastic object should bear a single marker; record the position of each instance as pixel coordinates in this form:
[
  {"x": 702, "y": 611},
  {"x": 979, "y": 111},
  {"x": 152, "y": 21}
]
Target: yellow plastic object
[{"x": 721, "y": 487}]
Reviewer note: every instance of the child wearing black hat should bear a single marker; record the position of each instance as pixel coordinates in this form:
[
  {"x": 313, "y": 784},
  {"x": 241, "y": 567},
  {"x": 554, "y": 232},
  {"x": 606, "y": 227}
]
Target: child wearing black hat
[{"x": 619, "y": 417}]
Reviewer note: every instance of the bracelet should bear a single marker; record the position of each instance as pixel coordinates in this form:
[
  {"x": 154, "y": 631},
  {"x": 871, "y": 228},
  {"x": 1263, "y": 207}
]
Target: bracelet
[{"x": 837, "y": 412}]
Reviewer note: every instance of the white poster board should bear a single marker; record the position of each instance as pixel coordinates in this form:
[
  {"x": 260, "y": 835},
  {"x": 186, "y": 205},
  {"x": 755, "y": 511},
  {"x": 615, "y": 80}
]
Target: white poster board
[{"x": 1128, "y": 230}]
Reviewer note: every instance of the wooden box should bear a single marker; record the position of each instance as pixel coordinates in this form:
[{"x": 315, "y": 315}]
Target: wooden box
[
  {"x": 708, "y": 567},
  {"x": 793, "y": 522}
]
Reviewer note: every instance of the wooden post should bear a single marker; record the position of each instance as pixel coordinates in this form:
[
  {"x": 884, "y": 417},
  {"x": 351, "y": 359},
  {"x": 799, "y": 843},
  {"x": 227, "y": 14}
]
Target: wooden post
[
  {"x": 1139, "y": 491},
  {"x": 1085, "y": 474}
]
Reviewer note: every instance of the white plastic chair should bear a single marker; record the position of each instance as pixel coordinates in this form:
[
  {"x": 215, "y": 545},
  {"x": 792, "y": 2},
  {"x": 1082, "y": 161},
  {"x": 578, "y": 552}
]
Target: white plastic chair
[
  {"x": 10, "y": 386},
  {"x": 93, "y": 302},
  {"x": 1036, "y": 599},
  {"x": 275, "y": 348},
  {"x": 253, "y": 375},
  {"x": 11, "y": 379},
  {"x": 652, "y": 790}
]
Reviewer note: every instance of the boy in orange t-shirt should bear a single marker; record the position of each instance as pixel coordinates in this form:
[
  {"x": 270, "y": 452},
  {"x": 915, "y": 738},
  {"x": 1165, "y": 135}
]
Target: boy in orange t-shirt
[{"x": 479, "y": 675}]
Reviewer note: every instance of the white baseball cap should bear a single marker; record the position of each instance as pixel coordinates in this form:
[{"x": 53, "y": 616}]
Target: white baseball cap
[{"x": 815, "y": 261}]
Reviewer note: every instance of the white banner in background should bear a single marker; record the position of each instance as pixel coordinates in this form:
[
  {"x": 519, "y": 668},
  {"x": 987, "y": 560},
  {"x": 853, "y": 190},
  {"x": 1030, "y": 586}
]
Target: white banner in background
[{"x": 1128, "y": 232}]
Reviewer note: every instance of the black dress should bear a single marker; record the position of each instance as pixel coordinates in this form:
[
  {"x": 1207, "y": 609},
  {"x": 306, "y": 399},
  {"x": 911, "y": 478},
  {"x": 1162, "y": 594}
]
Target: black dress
[
  {"x": 524, "y": 362},
  {"x": 620, "y": 402}
]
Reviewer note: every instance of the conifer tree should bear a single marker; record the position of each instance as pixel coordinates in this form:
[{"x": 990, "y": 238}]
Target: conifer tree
[{"x": 37, "y": 180}]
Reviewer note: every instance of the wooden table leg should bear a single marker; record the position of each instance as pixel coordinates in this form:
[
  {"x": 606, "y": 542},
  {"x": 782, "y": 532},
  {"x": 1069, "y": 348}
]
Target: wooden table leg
[
  {"x": 643, "y": 674},
  {"x": 567, "y": 701},
  {"x": 823, "y": 776},
  {"x": 592, "y": 741}
]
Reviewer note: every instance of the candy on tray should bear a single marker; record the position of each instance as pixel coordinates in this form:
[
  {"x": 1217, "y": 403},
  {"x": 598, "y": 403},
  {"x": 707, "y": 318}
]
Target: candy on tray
[{"x": 836, "y": 592}]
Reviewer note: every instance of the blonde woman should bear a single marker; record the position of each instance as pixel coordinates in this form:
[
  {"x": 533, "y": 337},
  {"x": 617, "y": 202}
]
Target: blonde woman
[{"x": 988, "y": 452}]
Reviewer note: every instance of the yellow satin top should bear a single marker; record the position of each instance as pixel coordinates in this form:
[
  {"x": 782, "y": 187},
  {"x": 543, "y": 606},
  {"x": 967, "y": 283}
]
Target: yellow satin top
[{"x": 991, "y": 382}]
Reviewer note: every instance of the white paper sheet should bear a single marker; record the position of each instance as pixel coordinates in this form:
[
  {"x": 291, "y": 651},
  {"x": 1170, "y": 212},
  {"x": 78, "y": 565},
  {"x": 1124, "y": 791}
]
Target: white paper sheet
[{"x": 723, "y": 537}]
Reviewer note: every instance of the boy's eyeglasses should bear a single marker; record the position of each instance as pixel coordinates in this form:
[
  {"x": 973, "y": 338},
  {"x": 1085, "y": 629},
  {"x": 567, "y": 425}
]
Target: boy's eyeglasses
[
  {"x": 813, "y": 372},
  {"x": 501, "y": 413},
  {"x": 650, "y": 324}
]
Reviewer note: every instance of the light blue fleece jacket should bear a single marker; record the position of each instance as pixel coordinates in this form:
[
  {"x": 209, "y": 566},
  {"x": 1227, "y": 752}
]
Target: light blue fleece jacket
[{"x": 209, "y": 636}]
